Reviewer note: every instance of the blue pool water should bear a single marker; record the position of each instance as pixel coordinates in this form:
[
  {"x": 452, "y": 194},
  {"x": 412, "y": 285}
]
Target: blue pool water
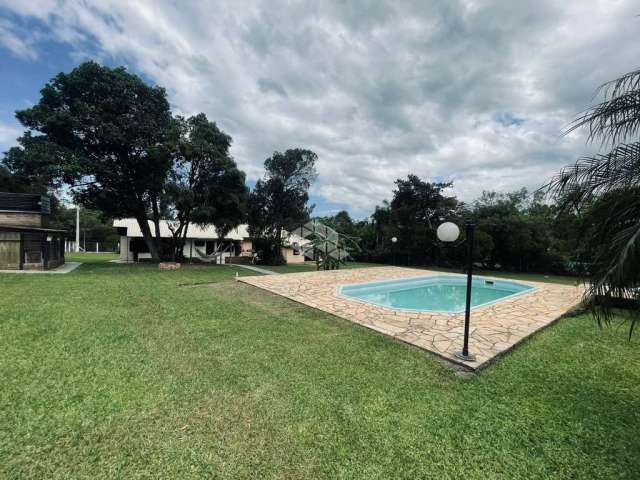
[{"x": 433, "y": 293}]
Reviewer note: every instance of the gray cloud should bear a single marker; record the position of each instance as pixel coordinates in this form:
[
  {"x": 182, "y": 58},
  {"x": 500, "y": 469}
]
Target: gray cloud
[
  {"x": 267, "y": 86},
  {"x": 476, "y": 92}
]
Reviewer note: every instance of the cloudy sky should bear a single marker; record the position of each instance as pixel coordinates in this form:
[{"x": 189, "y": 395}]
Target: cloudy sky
[{"x": 471, "y": 91}]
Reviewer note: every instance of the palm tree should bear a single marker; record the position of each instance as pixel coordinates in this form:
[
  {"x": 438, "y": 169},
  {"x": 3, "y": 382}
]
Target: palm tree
[{"x": 606, "y": 187}]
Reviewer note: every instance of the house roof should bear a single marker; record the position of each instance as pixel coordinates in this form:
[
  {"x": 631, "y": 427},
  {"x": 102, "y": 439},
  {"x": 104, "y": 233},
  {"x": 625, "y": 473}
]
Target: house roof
[{"x": 194, "y": 231}]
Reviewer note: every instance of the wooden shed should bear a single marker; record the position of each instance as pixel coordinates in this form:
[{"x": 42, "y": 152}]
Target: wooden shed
[{"x": 26, "y": 241}]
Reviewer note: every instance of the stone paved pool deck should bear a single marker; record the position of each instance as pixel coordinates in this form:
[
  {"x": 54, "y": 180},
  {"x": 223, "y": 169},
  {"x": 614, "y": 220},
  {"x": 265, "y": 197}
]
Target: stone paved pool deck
[{"x": 495, "y": 328}]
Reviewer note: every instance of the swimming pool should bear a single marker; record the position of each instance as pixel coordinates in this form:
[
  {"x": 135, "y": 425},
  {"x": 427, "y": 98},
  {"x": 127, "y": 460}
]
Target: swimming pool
[{"x": 434, "y": 293}]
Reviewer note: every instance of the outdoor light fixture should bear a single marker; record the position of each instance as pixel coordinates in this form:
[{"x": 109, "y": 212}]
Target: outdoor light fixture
[
  {"x": 393, "y": 248},
  {"x": 449, "y": 232}
]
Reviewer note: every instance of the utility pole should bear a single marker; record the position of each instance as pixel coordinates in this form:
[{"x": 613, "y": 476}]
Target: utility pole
[{"x": 77, "y": 228}]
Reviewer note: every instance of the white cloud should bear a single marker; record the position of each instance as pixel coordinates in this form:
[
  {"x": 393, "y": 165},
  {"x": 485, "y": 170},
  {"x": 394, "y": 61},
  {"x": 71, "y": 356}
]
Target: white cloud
[
  {"x": 18, "y": 43},
  {"x": 378, "y": 90},
  {"x": 8, "y": 134}
]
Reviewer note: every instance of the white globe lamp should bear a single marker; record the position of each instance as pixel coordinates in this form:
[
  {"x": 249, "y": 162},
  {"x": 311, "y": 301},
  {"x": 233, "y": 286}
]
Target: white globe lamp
[
  {"x": 448, "y": 232},
  {"x": 394, "y": 239}
]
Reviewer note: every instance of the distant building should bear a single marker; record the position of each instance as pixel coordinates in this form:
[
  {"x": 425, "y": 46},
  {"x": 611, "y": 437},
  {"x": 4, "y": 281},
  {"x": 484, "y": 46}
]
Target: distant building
[
  {"x": 201, "y": 244},
  {"x": 26, "y": 241}
]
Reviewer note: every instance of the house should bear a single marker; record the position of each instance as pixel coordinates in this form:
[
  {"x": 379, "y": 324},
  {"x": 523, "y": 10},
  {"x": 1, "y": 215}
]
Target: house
[
  {"x": 201, "y": 244},
  {"x": 26, "y": 241}
]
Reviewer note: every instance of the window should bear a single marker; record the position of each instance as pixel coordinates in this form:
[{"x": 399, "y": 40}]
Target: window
[{"x": 199, "y": 243}]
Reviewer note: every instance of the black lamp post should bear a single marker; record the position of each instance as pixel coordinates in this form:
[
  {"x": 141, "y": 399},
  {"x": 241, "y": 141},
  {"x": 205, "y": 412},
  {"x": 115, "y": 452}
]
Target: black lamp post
[
  {"x": 449, "y": 232},
  {"x": 393, "y": 248}
]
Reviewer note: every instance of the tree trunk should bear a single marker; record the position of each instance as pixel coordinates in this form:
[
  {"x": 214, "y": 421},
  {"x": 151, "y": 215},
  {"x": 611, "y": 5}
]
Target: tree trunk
[
  {"x": 156, "y": 223},
  {"x": 143, "y": 223},
  {"x": 278, "y": 254},
  {"x": 183, "y": 239}
]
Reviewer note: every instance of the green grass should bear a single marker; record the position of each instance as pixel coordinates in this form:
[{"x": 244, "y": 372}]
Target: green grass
[
  {"x": 113, "y": 371},
  {"x": 90, "y": 257}
]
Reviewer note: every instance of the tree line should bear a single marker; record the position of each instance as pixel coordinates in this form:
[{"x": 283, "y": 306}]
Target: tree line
[
  {"x": 111, "y": 140},
  {"x": 516, "y": 231}
]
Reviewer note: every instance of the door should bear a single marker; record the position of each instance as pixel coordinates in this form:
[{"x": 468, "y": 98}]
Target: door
[{"x": 10, "y": 251}]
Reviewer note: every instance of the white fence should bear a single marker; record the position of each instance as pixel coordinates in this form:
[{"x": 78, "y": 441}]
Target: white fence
[{"x": 97, "y": 247}]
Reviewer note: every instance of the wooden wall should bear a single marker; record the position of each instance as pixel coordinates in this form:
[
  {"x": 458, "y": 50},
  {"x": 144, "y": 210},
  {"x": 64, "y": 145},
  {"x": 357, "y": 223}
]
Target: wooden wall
[
  {"x": 23, "y": 219},
  {"x": 10, "y": 251}
]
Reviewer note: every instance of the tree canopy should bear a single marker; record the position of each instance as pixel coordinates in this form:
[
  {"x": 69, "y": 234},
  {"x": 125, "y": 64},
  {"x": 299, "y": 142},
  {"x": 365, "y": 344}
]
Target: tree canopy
[
  {"x": 111, "y": 138},
  {"x": 104, "y": 131},
  {"x": 279, "y": 201},
  {"x": 517, "y": 230},
  {"x": 205, "y": 185}
]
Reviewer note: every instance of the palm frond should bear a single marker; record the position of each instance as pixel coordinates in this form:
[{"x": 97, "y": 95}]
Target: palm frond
[
  {"x": 617, "y": 117},
  {"x": 607, "y": 188},
  {"x": 628, "y": 82},
  {"x": 593, "y": 176}
]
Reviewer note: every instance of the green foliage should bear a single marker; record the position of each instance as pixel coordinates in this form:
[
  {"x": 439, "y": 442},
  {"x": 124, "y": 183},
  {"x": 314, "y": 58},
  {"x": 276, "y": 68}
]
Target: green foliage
[
  {"x": 12, "y": 183},
  {"x": 521, "y": 229},
  {"x": 94, "y": 227},
  {"x": 279, "y": 202},
  {"x": 205, "y": 185},
  {"x": 340, "y": 222},
  {"x": 517, "y": 231},
  {"x": 111, "y": 138},
  {"x": 415, "y": 211},
  {"x": 107, "y": 130},
  {"x": 39, "y": 162},
  {"x": 607, "y": 188}
]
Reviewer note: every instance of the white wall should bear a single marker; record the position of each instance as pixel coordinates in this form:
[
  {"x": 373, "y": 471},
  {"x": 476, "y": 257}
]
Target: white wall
[
  {"x": 289, "y": 256},
  {"x": 125, "y": 254}
]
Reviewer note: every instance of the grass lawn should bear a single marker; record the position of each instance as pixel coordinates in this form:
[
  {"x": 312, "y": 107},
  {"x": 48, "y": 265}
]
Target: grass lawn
[
  {"x": 90, "y": 257},
  {"x": 112, "y": 371}
]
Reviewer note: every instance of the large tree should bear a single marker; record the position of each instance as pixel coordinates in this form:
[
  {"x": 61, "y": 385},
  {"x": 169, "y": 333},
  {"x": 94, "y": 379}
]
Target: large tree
[
  {"x": 108, "y": 132},
  {"x": 519, "y": 228},
  {"x": 415, "y": 210},
  {"x": 205, "y": 185},
  {"x": 279, "y": 202},
  {"x": 607, "y": 187},
  {"x": 381, "y": 219}
]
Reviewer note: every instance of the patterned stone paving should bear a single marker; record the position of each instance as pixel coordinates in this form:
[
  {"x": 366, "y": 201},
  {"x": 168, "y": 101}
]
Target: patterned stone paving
[{"x": 494, "y": 329}]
